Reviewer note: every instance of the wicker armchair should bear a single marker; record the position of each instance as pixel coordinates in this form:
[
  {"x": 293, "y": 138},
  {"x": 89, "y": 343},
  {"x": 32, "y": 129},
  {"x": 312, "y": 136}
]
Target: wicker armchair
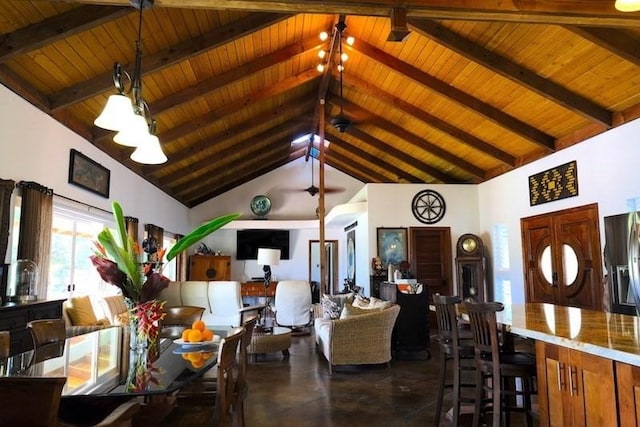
[{"x": 359, "y": 340}]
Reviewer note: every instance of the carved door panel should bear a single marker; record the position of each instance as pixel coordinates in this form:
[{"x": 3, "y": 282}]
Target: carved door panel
[{"x": 562, "y": 257}]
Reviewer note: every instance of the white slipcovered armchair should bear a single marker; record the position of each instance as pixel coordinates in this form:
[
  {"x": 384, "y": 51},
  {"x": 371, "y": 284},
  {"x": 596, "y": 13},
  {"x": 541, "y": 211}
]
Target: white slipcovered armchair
[{"x": 293, "y": 303}]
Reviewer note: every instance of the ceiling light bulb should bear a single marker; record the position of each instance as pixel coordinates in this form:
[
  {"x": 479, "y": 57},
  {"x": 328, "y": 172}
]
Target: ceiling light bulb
[
  {"x": 344, "y": 57},
  {"x": 322, "y": 54},
  {"x": 324, "y": 35},
  {"x": 320, "y": 68},
  {"x": 351, "y": 40},
  {"x": 628, "y": 5},
  {"x": 149, "y": 151},
  {"x": 136, "y": 131},
  {"x": 340, "y": 67},
  {"x": 116, "y": 113}
]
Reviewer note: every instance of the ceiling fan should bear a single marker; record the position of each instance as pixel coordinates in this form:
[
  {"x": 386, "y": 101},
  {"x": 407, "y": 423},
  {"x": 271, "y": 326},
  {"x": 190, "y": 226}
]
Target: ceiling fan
[{"x": 312, "y": 189}]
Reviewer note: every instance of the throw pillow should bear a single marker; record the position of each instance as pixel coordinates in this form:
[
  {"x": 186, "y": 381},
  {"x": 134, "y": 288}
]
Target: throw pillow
[
  {"x": 379, "y": 303},
  {"x": 330, "y": 308},
  {"x": 360, "y": 301},
  {"x": 349, "y": 310},
  {"x": 80, "y": 311}
]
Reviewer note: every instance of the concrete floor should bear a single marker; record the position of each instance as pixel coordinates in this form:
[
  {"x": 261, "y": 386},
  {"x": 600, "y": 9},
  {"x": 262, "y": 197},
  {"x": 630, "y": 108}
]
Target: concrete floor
[{"x": 298, "y": 391}]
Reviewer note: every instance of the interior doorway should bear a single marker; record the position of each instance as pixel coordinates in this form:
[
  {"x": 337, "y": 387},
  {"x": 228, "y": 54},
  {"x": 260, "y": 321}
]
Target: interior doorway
[
  {"x": 562, "y": 259},
  {"x": 331, "y": 273}
]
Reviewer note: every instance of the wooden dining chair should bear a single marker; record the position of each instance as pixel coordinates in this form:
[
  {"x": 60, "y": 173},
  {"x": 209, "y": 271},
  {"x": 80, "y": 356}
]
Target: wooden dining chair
[
  {"x": 226, "y": 403},
  {"x": 243, "y": 365},
  {"x": 456, "y": 349},
  {"x": 497, "y": 369},
  {"x": 46, "y": 331},
  {"x": 30, "y": 401},
  {"x": 5, "y": 344}
]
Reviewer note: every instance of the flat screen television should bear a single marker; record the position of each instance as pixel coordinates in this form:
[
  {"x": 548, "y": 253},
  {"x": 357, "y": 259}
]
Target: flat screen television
[{"x": 248, "y": 242}]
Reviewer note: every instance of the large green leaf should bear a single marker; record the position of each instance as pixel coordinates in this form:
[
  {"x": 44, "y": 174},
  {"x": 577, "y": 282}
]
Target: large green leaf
[
  {"x": 122, "y": 229},
  {"x": 200, "y": 233},
  {"x": 125, "y": 261}
]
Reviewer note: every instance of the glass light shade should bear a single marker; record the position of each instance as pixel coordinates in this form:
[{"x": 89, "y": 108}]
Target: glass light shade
[
  {"x": 322, "y": 54},
  {"x": 324, "y": 35},
  {"x": 116, "y": 113},
  {"x": 267, "y": 256},
  {"x": 136, "y": 131},
  {"x": 149, "y": 151},
  {"x": 344, "y": 57},
  {"x": 628, "y": 5},
  {"x": 351, "y": 40},
  {"x": 320, "y": 68}
]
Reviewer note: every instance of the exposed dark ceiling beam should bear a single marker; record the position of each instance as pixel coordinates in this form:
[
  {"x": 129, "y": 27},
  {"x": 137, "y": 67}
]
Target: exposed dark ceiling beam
[
  {"x": 221, "y": 157},
  {"x": 616, "y": 41},
  {"x": 368, "y": 155},
  {"x": 303, "y": 103},
  {"x": 356, "y": 158},
  {"x": 419, "y": 143},
  {"x": 435, "y": 122},
  {"x": 167, "y": 57},
  {"x": 234, "y": 75},
  {"x": 490, "y": 112},
  {"x": 57, "y": 28},
  {"x": 594, "y": 13},
  {"x": 512, "y": 71},
  {"x": 267, "y": 166},
  {"x": 353, "y": 169}
]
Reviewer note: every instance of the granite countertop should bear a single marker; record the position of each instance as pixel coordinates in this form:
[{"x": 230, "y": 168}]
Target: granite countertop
[{"x": 609, "y": 335}]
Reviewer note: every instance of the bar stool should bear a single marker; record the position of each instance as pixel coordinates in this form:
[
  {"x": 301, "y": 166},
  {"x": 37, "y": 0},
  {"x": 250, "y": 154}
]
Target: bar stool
[
  {"x": 456, "y": 346},
  {"x": 497, "y": 369}
]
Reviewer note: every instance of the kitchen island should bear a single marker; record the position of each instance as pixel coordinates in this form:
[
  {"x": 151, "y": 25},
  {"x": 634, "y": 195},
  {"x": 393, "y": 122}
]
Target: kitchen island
[{"x": 588, "y": 363}]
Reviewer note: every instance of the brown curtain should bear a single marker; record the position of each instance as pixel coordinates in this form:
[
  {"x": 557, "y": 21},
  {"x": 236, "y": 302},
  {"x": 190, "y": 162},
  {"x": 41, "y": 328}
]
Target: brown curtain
[
  {"x": 34, "y": 241},
  {"x": 6, "y": 188},
  {"x": 155, "y": 234},
  {"x": 132, "y": 227},
  {"x": 182, "y": 260}
]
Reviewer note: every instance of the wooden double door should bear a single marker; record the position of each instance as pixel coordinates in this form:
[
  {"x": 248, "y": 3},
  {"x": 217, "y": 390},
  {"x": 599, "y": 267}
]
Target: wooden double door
[{"x": 562, "y": 259}]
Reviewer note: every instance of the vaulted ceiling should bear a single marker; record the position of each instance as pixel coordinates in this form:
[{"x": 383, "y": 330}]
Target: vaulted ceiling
[{"x": 436, "y": 92}]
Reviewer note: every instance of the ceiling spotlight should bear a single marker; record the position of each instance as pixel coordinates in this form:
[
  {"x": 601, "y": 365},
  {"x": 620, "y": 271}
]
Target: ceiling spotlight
[{"x": 324, "y": 35}]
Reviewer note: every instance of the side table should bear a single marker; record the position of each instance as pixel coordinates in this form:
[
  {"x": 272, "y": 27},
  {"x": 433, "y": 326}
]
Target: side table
[{"x": 278, "y": 339}]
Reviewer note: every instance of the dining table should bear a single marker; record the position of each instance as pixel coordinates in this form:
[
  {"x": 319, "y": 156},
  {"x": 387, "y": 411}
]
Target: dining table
[{"x": 101, "y": 364}]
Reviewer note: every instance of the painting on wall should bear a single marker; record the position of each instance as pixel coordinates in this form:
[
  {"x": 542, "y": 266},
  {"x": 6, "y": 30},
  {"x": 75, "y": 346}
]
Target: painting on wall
[
  {"x": 351, "y": 257},
  {"x": 392, "y": 245},
  {"x": 88, "y": 174}
]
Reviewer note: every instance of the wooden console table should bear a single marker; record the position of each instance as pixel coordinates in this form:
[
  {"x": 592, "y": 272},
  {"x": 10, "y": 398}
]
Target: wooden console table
[
  {"x": 256, "y": 289},
  {"x": 14, "y": 318}
]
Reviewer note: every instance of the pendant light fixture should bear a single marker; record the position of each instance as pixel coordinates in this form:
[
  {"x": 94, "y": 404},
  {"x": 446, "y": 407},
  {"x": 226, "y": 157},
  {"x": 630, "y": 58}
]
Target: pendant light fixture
[
  {"x": 340, "y": 122},
  {"x": 130, "y": 117}
]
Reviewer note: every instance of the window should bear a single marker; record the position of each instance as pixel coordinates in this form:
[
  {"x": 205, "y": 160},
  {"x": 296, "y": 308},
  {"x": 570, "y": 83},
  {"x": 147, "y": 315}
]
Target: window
[{"x": 72, "y": 236}]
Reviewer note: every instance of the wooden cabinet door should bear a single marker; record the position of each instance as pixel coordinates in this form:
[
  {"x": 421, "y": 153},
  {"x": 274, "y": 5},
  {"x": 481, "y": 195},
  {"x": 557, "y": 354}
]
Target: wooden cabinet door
[
  {"x": 575, "y": 388},
  {"x": 628, "y": 387},
  {"x": 431, "y": 258},
  {"x": 209, "y": 267},
  {"x": 562, "y": 259}
]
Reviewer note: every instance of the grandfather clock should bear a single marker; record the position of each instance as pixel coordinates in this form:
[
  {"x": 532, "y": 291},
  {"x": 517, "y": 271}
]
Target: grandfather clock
[{"x": 471, "y": 268}]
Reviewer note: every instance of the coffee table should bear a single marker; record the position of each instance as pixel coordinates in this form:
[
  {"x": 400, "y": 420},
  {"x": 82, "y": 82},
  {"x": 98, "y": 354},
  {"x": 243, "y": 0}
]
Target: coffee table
[{"x": 277, "y": 339}]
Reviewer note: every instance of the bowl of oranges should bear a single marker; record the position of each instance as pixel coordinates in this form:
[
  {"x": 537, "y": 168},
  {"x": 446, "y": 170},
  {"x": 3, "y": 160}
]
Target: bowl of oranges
[{"x": 197, "y": 335}]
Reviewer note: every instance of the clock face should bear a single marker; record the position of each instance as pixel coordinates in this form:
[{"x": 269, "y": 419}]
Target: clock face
[
  {"x": 469, "y": 244},
  {"x": 260, "y": 205}
]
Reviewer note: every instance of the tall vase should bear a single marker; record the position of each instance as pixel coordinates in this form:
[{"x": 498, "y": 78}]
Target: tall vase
[{"x": 144, "y": 326}]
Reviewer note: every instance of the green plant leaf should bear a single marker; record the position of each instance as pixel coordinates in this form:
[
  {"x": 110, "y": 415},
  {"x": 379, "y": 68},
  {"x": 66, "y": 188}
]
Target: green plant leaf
[
  {"x": 200, "y": 233},
  {"x": 125, "y": 261},
  {"x": 122, "y": 229}
]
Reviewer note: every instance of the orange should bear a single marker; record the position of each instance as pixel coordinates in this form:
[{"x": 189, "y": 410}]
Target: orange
[
  {"x": 193, "y": 357},
  {"x": 195, "y": 335},
  {"x": 207, "y": 335},
  {"x": 199, "y": 325},
  {"x": 197, "y": 363},
  {"x": 185, "y": 335},
  {"x": 185, "y": 356},
  {"x": 206, "y": 355}
]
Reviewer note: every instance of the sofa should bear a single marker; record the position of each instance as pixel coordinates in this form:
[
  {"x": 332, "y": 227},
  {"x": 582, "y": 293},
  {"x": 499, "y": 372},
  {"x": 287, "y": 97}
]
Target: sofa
[
  {"x": 356, "y": 339},
  {"x": 85, "y": 314},
  {"x": 221, "y": 300}
]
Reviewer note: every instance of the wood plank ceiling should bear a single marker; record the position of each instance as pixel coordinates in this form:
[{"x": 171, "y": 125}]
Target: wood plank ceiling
[{"x": 467, "y": 94}]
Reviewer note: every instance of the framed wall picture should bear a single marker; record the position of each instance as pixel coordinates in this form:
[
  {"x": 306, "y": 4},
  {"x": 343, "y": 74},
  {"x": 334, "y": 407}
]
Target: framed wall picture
[
  {"x": 351, "y": 257},
  {"x": 392, "y": 245},
  {"x": 88, "y": 174}
]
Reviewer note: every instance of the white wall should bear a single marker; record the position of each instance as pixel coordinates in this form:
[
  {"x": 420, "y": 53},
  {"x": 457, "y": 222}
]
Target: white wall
[
  {"x": 34, "y": 147},
  {"x": 608, "y": 174}
]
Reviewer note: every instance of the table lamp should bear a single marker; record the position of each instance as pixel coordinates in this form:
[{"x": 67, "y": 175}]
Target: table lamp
[{"x": 266, "y": 258}]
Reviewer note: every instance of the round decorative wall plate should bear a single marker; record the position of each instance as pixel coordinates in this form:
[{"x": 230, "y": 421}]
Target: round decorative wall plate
[
  {"x": 260, "y": 205},
  {"x": 428, "y": 206}
]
